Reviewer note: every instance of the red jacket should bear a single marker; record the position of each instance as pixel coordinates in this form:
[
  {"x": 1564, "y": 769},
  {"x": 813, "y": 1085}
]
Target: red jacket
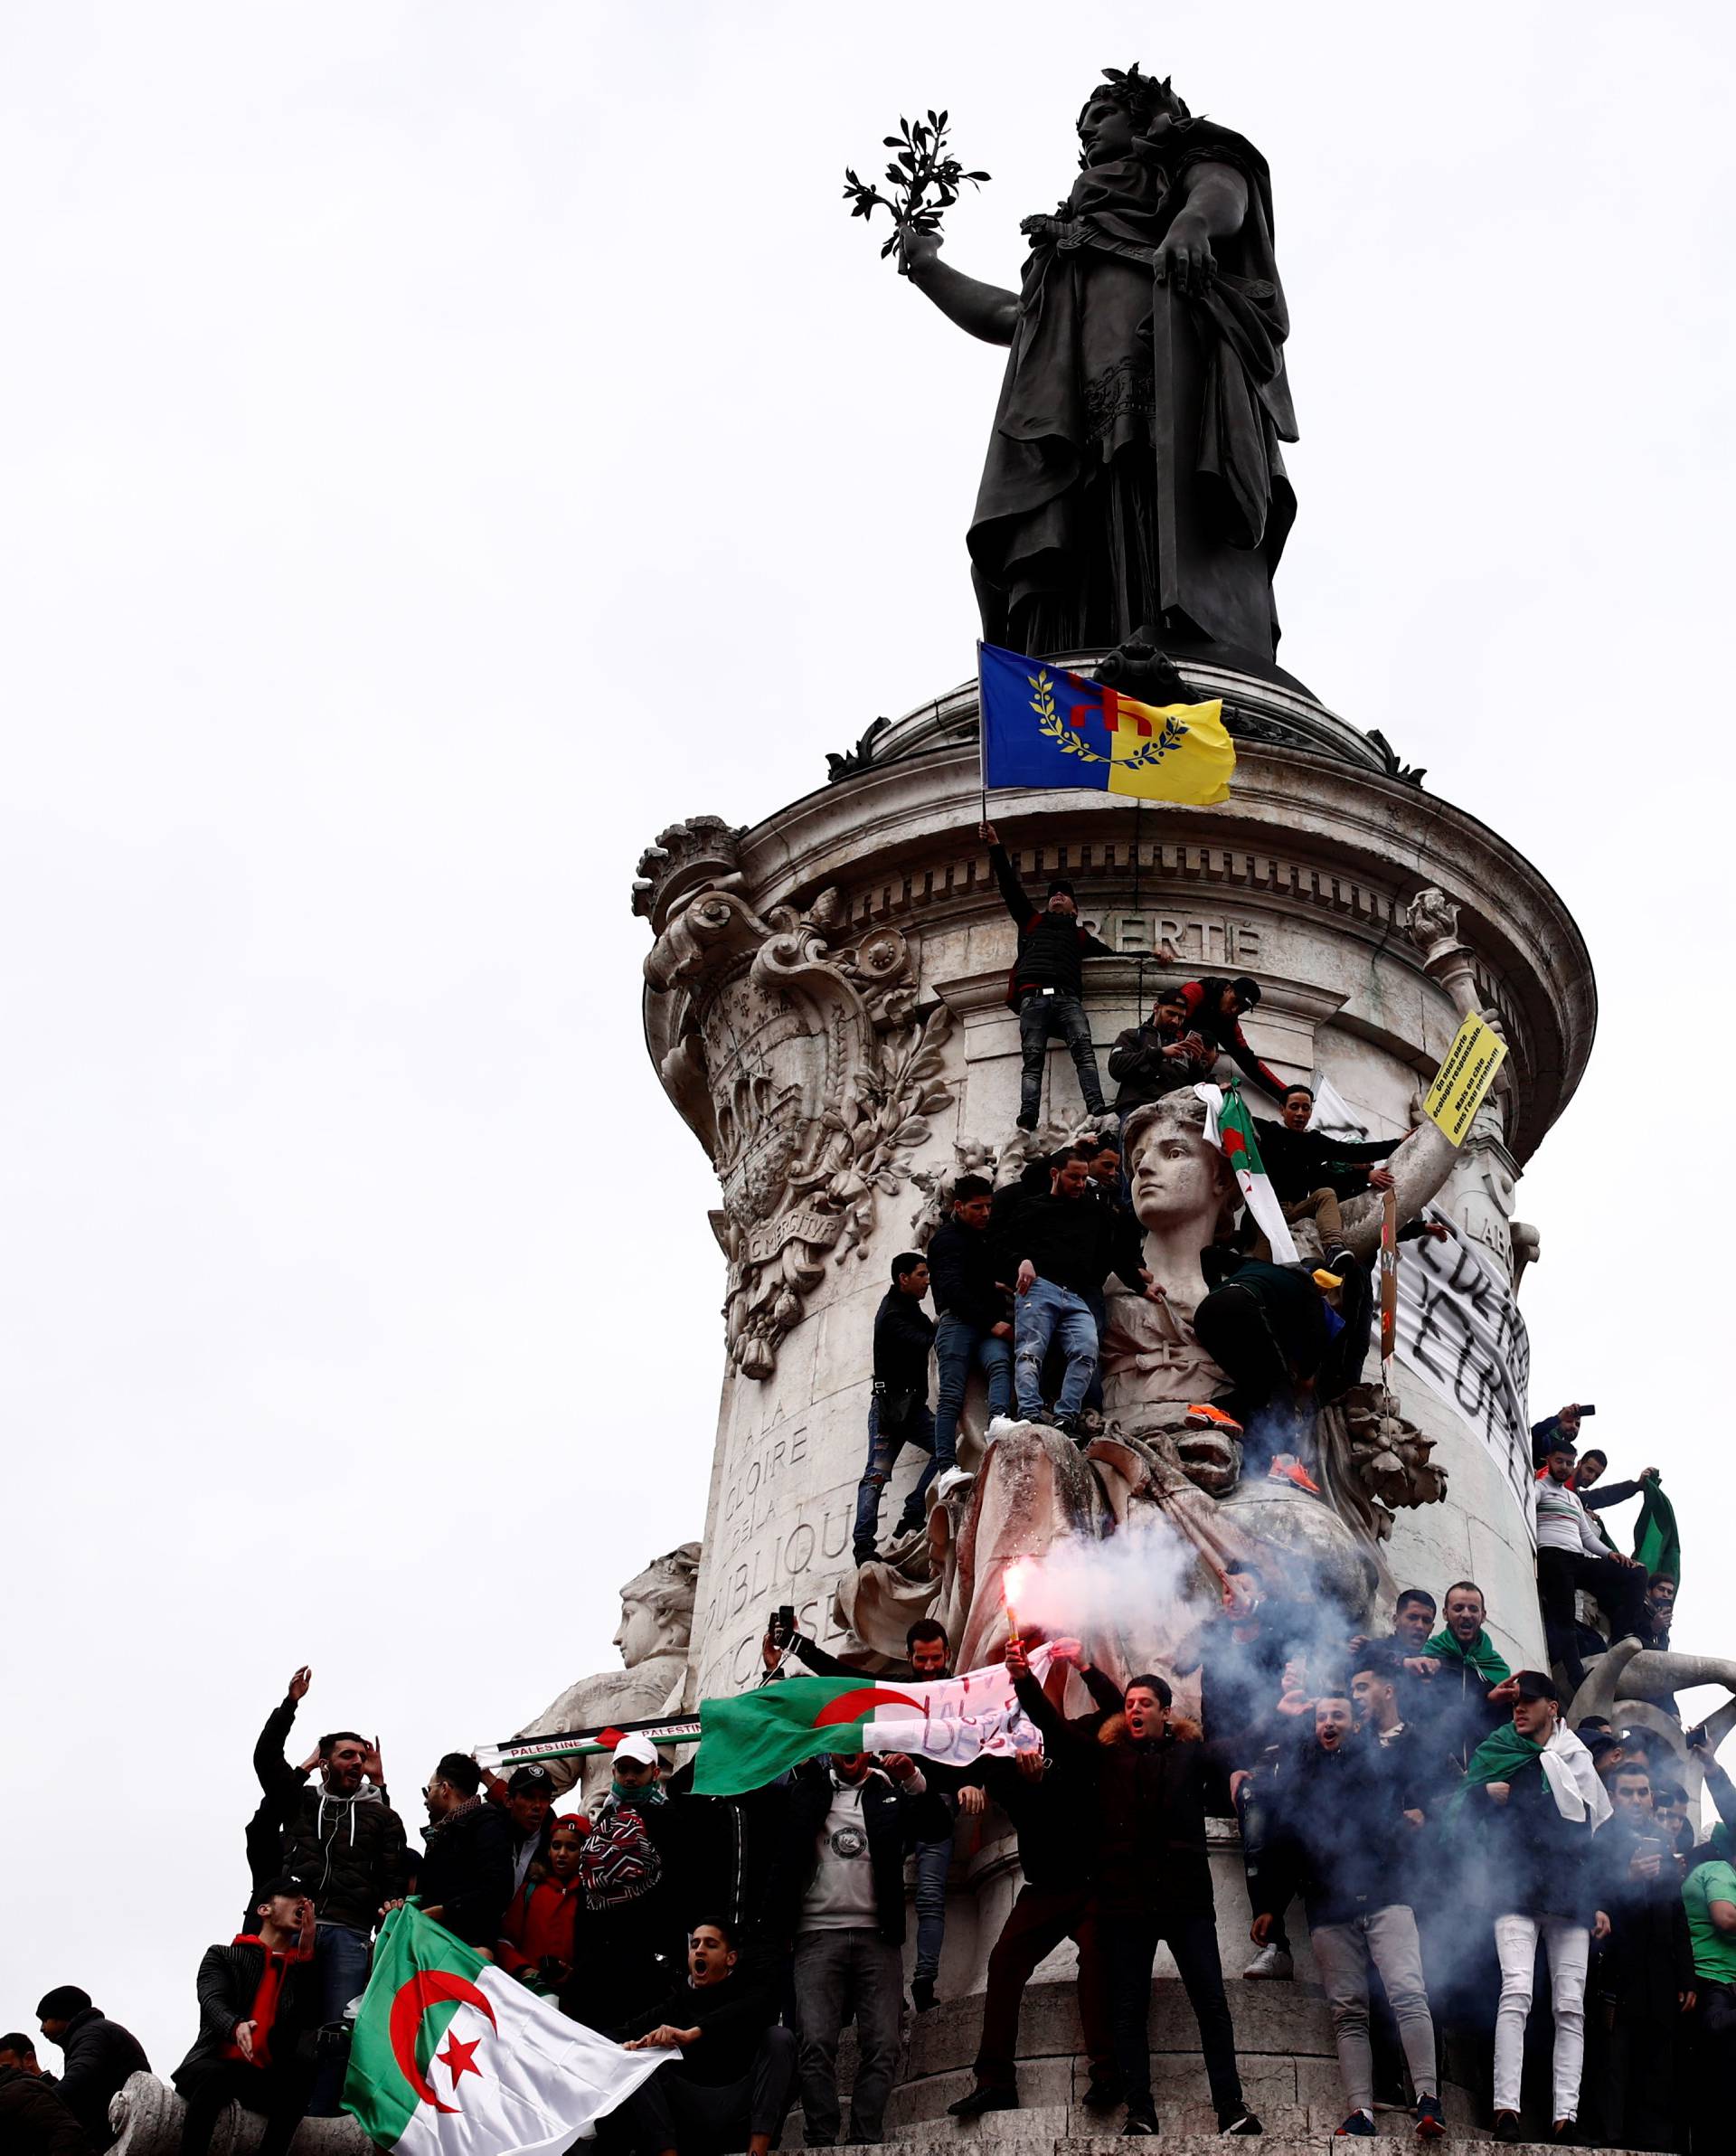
[
  {"x": 539, "y": 1923},
  {"x": 1226, "y": 1034}
]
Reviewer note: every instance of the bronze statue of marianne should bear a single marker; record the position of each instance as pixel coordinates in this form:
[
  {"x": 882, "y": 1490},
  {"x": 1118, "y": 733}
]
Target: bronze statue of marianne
[{"x": 1133, "y": 497}]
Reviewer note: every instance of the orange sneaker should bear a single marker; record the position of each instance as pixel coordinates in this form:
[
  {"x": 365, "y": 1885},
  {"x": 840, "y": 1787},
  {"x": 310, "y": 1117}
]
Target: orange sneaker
[
  {"x": 1207, "y": 1417},
  {"x": 1288, "y": 1468}
]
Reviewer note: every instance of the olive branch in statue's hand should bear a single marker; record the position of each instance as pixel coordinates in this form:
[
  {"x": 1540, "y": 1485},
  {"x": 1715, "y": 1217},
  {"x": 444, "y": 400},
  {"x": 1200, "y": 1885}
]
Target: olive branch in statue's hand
[{"x": 924, "y": 179}]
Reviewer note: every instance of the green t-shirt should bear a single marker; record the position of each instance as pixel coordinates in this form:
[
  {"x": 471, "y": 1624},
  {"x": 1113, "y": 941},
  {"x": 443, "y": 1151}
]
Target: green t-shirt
[{"x": 1714, "y": 1951}]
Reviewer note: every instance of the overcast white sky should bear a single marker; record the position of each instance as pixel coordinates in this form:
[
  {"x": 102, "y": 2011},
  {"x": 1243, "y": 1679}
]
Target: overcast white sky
[{"x": 443, "y": 444}]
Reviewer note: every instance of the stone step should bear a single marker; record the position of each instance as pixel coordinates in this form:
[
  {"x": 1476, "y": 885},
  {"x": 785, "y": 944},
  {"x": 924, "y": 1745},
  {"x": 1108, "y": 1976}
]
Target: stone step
[{"x": 1291, "y": 2132}]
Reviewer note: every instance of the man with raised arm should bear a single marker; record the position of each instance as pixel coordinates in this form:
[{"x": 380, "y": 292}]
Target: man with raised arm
[
  {"x": 1149, "y": 1775},
  {"x": 1047, "y": 984},
  {"x": 341, "y": 1837}
]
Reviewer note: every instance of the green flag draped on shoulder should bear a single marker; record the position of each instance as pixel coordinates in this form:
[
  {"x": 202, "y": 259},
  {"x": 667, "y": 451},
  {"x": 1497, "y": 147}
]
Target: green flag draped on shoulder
[
  {"x": 1501, "y": 1754},
  {"x": 1480, "y": 1654},
  {"x": 1658, "y": 1545},
  {"x": 451, "y": 2056}
]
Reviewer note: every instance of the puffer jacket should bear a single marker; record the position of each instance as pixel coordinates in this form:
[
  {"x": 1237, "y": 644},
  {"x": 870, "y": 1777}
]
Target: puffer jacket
[
  {"x": 100, "y": 2055},
  {"x": 33, "y": 2122},
  {"x": 349, "y": 1851}
]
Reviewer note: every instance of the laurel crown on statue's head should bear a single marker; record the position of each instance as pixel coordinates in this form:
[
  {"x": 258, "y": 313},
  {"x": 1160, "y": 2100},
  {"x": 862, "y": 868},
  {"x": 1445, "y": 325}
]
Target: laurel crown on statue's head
[{"x": 1142, "y": 97}]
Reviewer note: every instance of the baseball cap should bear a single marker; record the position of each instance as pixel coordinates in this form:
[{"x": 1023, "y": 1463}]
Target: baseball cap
[
  {"x": 637, "y": 1748},
  {"x": 538, "y": 1781},
  {"x": 282, "y": 1882},
  {"x": 1536, "y": 1684}
]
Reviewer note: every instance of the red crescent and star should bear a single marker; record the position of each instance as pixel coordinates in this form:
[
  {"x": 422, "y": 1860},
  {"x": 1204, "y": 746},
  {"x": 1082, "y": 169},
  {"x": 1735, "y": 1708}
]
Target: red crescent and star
[
  {"x": 851, "y": 1706},
  {"x": 428, "y": 1988}
]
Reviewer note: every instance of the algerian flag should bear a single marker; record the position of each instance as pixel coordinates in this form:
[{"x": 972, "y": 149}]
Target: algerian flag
[
  {"x": 748, "y": 1740},
  {"x": 1230, "y": 1128},
  {"x": 1657, "y": 1542},
  {"x": 452, "y": 2055}
]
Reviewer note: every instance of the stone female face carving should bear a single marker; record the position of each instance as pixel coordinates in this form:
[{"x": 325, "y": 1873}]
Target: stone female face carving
[
  {"x": 658, "y": 1607},
  {"x": 1178, "y": 1178}
]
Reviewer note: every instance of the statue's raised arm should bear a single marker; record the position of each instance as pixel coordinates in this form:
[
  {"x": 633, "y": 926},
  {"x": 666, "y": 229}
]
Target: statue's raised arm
[{"x": 987, "y": 311}]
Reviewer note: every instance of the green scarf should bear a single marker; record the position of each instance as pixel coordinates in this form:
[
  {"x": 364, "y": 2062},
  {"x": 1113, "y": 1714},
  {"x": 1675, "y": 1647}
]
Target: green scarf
[
  {"x": 1479, "y": 1655},
  {"x": 1498, "y": 1758}
]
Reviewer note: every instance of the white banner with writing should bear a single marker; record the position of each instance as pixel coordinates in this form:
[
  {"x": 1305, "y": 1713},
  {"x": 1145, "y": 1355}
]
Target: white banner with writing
[{"x": 1459, "y": 1326}]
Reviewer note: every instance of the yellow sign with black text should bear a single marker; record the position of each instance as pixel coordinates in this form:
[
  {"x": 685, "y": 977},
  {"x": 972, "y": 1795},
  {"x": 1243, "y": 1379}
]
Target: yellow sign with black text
[{"x": 1465, "y": 1074}]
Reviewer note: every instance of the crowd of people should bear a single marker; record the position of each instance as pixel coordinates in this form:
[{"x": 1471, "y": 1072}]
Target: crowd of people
[{"x": 1440, "y": 1828}]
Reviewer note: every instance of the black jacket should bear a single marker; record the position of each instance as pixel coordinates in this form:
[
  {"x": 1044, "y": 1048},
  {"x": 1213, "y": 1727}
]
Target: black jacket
[
  {"x": 1648, "y": 1957},
  {"x": 903, "y": 1335},
  {"x": 893, "y": 1819},
  {"x": 228, "y": 1983},
  {"x": 349, "y": 1851},
  {"x": 468, "y": 1872},
  {"x": 1074, "y": 1243},
  {"x": 731, "y": 2017},
  {"x": 1149, "y": 1803},
  {"x": 99, "y": 2054},
  {"x": 1240, "y": 1683},
  {"x": 33, "y": 2122},
  {"x": 962, "y": 1263},
  {"x": 1340, "y": 1838},
  {"x": 1051, "y": 945},
  {"x": 721, "y": 1856},
  {"x": 1054, "y": 1815},
  {"x": 1143, "y": 1070},
  {"x": 1299, "y": 1161}
]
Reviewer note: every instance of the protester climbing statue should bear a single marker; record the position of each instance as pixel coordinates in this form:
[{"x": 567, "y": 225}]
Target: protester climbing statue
[
  {"x": 1134, "y": 494},
  {"x": 1160, "y": 1468}
]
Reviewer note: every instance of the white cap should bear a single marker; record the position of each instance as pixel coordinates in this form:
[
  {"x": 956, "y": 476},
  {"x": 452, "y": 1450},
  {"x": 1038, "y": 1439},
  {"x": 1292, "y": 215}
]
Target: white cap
[{"x": 639, "y": 1749}]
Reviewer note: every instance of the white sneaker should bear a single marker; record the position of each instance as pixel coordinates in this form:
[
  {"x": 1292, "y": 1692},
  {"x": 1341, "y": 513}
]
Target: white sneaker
[{"x": 1271, "y": 1965}]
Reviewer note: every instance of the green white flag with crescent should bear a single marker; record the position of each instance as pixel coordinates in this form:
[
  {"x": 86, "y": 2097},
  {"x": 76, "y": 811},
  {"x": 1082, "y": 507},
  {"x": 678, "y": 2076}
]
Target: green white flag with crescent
[
  {"x": 1230, "y": 1128},
  {"x": 451, "y": 2056}
]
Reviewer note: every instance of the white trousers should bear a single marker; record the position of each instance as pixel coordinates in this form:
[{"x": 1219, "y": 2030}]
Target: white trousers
[{"x": 1570, "y": 1953}]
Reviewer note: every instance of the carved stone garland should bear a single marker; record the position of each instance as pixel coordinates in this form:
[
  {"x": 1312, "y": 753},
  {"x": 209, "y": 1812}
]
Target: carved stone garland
[{"x": 820, "y": 1077}]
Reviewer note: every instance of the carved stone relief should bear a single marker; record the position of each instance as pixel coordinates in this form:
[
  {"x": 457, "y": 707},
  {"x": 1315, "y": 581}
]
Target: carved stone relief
[{"x": 818, "y": 1077}]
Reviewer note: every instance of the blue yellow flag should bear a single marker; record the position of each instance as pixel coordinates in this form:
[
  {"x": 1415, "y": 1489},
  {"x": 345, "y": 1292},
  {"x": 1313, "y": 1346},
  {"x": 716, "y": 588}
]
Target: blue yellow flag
[{"x": 1044, "y": 726}]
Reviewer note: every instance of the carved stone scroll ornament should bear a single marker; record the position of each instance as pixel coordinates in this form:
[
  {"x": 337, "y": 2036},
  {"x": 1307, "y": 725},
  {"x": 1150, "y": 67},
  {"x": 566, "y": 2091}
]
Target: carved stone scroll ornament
[{"x": 819, "y": 1077}]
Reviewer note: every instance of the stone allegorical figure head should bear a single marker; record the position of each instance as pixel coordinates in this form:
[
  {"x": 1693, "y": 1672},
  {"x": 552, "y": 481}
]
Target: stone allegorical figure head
[
  {"x": 658, "y": 1607},
  {"x": 1178, "y": 1177}
]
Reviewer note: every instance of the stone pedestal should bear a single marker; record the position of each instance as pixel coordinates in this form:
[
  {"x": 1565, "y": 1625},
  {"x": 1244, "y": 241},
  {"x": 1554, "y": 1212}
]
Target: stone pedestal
[{"x": 824, "y": 1005}]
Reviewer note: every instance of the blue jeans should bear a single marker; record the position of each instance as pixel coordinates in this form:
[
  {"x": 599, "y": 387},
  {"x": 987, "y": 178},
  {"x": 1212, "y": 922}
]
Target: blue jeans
[
  {"x": 959, "y": 1347},
  {"x": 933, "y": 1861},
  {"x": 1040, "y": 1018},
  {"x": 341, "y": 1955},
  {"x": 1098, "y": 1303},
  {"x": 917, "y": 1429},
  {"x": 1046, "y": 1314}
]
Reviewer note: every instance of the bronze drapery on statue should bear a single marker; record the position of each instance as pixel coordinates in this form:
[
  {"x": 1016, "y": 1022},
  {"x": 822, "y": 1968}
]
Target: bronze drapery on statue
[
  {"x": 1134, "y": 489},
  {"x": 1136, "y": 440}
]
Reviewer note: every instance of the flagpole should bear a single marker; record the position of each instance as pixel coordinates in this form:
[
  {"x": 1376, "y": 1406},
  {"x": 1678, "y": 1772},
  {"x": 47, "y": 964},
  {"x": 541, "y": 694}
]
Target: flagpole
[
  {"x": 982, "y": 734},
  {"x": 1139, "y": 984}
]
